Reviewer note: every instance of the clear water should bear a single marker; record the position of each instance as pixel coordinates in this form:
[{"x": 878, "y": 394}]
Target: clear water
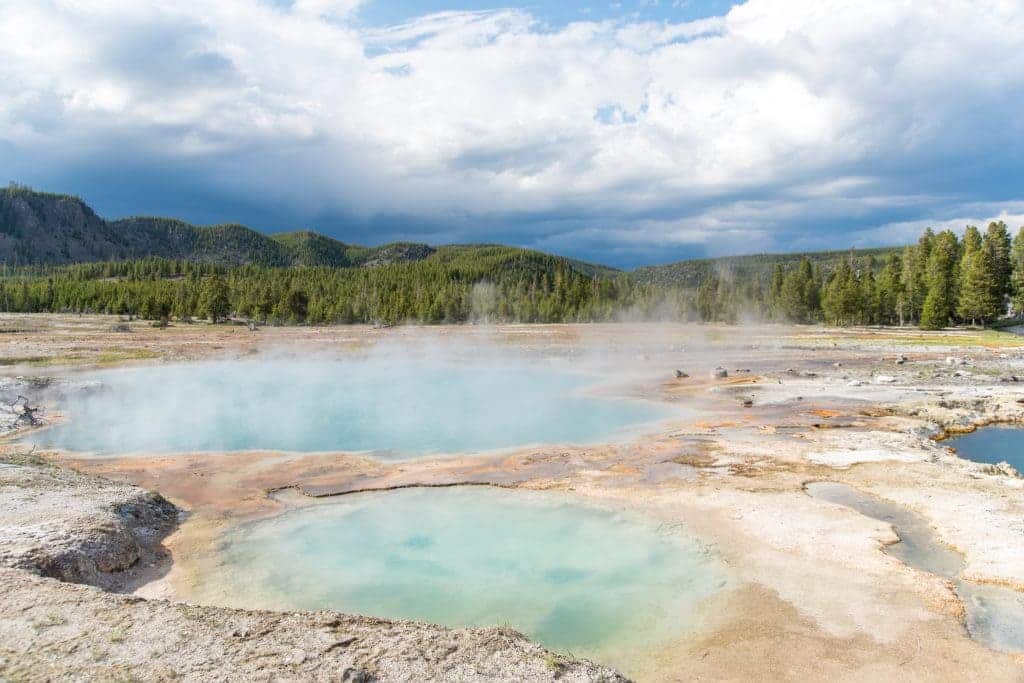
[
  {"x": 994, "y": 614},
  {"x": 574, "y": 577},
  {"x": 394, "y": 408},
  {"x": 918, "y": 546},
  {"x": 993, "y": 445}
]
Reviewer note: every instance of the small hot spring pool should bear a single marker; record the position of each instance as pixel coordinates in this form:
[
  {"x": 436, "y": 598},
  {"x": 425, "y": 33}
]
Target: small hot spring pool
[
  {"x": 574, "y": 577},
  {"x": 394, "y": 408},
  {"x": 994, "y": 615},
  {"x": 993, "y": 445}
]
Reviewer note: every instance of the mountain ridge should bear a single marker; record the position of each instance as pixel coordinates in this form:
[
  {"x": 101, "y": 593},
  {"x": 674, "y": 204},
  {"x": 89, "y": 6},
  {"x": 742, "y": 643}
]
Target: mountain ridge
[{"x": 43, "y": 228}]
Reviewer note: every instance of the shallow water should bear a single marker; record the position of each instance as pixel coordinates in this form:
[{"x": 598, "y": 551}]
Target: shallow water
[
  {"x": 574, "y": 577},
  {"x": 992, "y": 445},
  {"x": 395, "y": 408},
  {"x": 918, "y": 545},
  {"x": 994, "y": 614}
]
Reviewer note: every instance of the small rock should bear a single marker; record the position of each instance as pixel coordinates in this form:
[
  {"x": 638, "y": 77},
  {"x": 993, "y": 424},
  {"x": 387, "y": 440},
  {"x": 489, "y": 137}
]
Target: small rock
[
  {"x": 928, "y": 431},
  {"x": 681, "y": 375},
  {"x": 884, "y": 379},
  {"x": 719, "y": 373},
  {"x": 855, "y": 383}
]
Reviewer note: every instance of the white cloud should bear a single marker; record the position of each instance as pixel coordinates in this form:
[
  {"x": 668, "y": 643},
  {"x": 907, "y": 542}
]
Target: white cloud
[{"x": 777, "y": 112}]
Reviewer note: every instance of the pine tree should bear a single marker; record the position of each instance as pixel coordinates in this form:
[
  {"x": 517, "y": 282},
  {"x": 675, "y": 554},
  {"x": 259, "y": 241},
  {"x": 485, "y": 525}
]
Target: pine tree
[
  {"x": 908, "y": 284},
  {"x": 971, "y": 243},
  {"x": 775, "y": 306},
  {"x": 997, "y": 251},
  {"x": 917, "y": 279},
  {"x": 1017, "y": 272},
  {"x": 214, "y": 302},
  {"x": 868, "y": 299},
  {"x": 842, "y": 295},
  {"x": 792, "y": 305},
  {"x": 967, "y": 296},
  {"x": 941, "y": 270},
  {"x": 295, "y": 305},
  {"x": 812, "y": 290},
  {"x": 889, "y": 293},
  {"x": 978, "y": 300}
]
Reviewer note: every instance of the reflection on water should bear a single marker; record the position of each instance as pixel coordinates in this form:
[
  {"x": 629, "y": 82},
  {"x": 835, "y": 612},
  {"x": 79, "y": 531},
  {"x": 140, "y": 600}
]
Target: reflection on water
[
  {"x": 574, "y": 577},
  {"x": 405, "y": 407},
  {"x": 992, "y": 445},
  {"x": 995, "y": 615}
]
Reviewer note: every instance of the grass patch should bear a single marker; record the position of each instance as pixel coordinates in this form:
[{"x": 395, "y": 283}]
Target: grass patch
[
  {"x": 552, "y": 662},
  {"x": 18, "y": 458},
  {"x": 995, "y": 339},
  {"x": 22, "y": 360},
  {"x": 110, "y": 357},
  {"x": 122, "y": 355}
]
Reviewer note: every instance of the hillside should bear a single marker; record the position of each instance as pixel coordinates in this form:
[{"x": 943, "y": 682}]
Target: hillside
[
  {"x": 308, "y": 248},
  {"x": 38, "y": 228},
  {"x": 690, "y": 273}
]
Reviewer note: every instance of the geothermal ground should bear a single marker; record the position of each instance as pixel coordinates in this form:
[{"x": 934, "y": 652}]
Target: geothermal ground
[{"x": 812, "y": 593}]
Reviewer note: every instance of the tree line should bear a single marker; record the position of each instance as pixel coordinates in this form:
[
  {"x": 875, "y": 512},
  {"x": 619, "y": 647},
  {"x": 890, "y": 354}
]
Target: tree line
[
  {"x": 475, "y": 283},
  {"x": 940, "y": 280}
]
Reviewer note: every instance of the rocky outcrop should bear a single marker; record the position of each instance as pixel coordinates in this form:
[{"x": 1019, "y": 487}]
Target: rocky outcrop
[
  {"x": 79, "y": 529},
  {"x": 50, "y": 630}
]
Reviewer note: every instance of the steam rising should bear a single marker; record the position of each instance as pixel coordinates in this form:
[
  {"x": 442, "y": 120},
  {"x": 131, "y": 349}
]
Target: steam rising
[{"x": 388, "y": 402}]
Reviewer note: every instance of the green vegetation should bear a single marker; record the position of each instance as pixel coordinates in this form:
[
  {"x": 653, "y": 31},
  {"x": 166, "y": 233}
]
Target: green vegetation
[
  {"x": 452, "y": 284},
  {"x": 40, "y": 228},
  {"x": 690, "y": 274},
  {"x": 936, "y": 282},
  {"x": 58, "y": 256}
]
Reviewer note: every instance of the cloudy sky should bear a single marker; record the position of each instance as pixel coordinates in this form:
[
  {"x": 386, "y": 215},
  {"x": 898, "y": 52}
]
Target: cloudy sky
[{"x": 626, "y": 132}]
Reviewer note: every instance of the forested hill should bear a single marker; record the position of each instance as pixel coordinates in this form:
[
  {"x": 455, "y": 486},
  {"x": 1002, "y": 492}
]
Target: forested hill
[
  {"x": 38, "y": 228},
  {"x": 56, "y": 254},
  {"x": 691, "y": 273},
  {"x": 44, "y": 229}
]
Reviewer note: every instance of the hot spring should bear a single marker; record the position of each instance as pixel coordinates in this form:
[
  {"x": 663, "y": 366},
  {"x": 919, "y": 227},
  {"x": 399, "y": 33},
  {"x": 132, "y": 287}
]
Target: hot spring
[
  {"x": 994, "y": 614},
  {"x": 574, "y": 577},
  {"x": 993, "y": 445},
  {"x": 392, "y": 408}
]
